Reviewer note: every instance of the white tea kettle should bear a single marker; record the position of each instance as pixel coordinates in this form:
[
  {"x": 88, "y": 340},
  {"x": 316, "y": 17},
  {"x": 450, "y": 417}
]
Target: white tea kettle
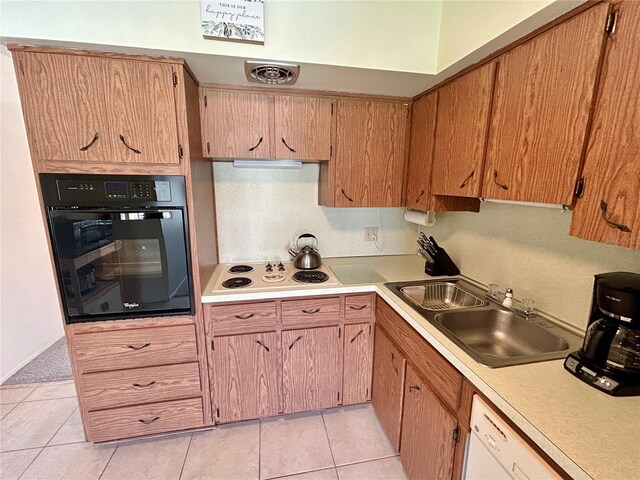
[{"x": 307, "y": 257}]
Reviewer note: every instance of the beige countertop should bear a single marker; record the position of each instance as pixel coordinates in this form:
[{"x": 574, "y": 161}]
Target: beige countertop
[{"x": 588, "y": 433}]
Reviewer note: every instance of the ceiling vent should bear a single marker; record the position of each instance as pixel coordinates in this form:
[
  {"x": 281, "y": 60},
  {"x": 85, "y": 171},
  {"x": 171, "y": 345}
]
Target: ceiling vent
[{"x": 271, "y": 73}]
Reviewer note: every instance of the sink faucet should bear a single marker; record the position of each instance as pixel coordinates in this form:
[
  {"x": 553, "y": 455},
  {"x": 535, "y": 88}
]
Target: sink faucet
[{"x": 508, "y": 298}]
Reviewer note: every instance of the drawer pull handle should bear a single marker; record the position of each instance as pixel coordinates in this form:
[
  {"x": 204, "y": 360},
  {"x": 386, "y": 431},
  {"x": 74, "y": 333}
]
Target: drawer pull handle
[
  {"x": 466, "y": 180},
  {"x": 608, "y": 221},
  {"x": 345, "y": 195},
  {"x": 357, "y": 307},
  {"x": 148, "y": 421},
  {"x": 262, "y": 345},
  {"x": 245, "y": 316},
  {"x": 414, "y": 388},
  {"x": 495, "y": 180},
  {"x": 357, "y": 335},
  {"x": 90, "y": 144},
  {"x": 124, "y": 142},
  {"x": 419, "y": 196},
  {"x": 256, "y": 145},
  {"x": 285, "y": 144},
  {"x": 144, "y": 386},
  {"x": 295, "y": 341},
  {"x": 393, "y": 358},
  {"x": 133, "y": 347},
  {"x": 311, "y": 312}
]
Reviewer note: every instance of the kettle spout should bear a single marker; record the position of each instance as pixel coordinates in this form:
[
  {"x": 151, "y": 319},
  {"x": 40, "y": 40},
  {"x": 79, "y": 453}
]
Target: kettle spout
[{"x": 292, "y": 252}]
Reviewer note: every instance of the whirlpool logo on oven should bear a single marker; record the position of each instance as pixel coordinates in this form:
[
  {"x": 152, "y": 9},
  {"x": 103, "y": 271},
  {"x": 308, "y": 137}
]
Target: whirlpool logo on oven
[{"x": 131, "y": 305}]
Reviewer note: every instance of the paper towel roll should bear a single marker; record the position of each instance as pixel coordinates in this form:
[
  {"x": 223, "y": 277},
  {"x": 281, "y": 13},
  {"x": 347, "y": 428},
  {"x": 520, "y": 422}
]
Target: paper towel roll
[{"x": 425, "y": 219}]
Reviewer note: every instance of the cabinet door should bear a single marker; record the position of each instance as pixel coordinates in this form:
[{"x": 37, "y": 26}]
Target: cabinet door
[
  {"x": 303, "y": 127},
  {"x": 311, "y": 376},
  {"x": 387, "y": 386},
  {"x": 142, "y": 112},
  {"x": 541, "y": 107},
  {"x": 429, "y": 432},
  {"x": 461, "y": 133},
  {"x": 65, "y": 106},
  {"x": 370, "y": 142},
  {"x": 356, "y": 371},
  {"x": 237, "y": 124},
  {"x": 245, "y": 376},
  {"x": 609, "y": 211}
]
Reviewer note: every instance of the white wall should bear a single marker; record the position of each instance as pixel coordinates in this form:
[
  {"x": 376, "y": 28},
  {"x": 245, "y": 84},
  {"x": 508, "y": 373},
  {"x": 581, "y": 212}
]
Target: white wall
[
  {"x": 384, "y": 35},
  {"x": 529, "y": 249},
  {"x": 260, "y": 211},
  {"x": 30, "y": 318}
]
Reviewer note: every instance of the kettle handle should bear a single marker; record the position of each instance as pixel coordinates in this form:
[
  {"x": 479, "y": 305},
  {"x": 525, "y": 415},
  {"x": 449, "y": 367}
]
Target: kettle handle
[{"x": 307, "y": 235}]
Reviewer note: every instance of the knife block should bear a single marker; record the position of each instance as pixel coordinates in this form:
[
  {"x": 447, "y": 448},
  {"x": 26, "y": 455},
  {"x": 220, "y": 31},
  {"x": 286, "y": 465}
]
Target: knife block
[{"x": 441, "y": 265}]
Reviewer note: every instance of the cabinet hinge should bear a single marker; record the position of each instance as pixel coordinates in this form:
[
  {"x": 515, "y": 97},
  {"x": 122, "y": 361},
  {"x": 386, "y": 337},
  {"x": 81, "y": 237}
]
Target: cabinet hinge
[
  {"x": 338, "y": 396},
  {"x": 612, "y": 20},
  {"x": 331, "y": 108},
  {"x": 456, "y": 435},
  {"x": 180, "y": 152},
  {"x": 175, "y": 79},
  {"x": 330, "y": 151},
  {"x": 206, "y": 104},
  {"x": 213, "y": 345},
  {"x": 369, "y": 329},
  {"x": 579, "y": 188},
  {"x": 217, "y": 412},
  {"x": 366, "y": 392},
  {"x": 339, "y": 332},
  {"x": 208, "y": 147}
]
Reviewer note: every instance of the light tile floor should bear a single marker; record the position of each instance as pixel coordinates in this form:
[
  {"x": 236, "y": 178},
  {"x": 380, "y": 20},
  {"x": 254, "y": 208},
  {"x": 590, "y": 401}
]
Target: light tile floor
[{"x": 41, "y": 438}]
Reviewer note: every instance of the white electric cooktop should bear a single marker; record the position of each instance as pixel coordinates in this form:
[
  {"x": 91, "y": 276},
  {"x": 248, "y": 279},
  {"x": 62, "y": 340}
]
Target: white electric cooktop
[{"x": 269, "y": 275}]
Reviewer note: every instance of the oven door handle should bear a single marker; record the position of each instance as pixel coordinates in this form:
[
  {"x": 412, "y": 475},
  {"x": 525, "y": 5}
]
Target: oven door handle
[{"x": 164, "y": 215}]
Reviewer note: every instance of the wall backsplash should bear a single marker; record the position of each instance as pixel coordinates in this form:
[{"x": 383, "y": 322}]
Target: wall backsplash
[
  {"x": 529, "y": 249},
  {"x": 260, "y": 211}
]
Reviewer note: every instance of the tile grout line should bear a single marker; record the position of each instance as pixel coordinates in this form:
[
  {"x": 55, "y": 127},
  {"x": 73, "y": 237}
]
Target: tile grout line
[
  {"x": 259, "y": 447},
  {"x": 63, "y": 424},
  {"x": 30, "y": 463},
  {"x": 108, "y": 462},
  {"x": 184, "y": 462},
  {"x": 324, "y": 424},
  {"x": 289, "y": 475}
]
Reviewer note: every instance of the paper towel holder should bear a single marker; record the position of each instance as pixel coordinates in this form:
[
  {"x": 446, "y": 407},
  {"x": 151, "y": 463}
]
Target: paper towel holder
[{"x": 427, "y": 219}]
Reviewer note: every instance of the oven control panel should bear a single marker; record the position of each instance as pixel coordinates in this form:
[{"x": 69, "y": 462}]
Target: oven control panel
[{"x": 70, "y": 190}]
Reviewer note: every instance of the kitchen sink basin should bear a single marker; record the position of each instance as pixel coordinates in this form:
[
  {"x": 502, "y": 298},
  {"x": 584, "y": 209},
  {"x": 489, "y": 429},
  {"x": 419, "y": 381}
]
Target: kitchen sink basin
[{"x": 490, "y": 333}]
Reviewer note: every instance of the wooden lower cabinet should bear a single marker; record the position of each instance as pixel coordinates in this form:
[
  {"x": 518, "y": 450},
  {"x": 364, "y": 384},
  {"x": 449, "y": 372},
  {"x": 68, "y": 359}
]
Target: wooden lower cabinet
[
  {"x": 244, "y": 378},
  {"x": 388, "y": 385},
  {"x": 429, "y": 432},
  {"x": 311, "y": 376},
  {"x": 356, "y": 372}
]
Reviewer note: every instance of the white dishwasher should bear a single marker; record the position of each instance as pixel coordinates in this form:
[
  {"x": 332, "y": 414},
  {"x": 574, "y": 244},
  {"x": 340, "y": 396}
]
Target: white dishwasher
[{"x": 496, "y": 452}]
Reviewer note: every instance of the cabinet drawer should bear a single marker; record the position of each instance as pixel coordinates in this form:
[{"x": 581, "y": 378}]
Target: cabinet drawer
[
  {"x": 142, "y": 420},
  {"x": 120, "y": 388},
  {"x": 135, "y": 348},
  {"x": 358, "y": 307},
  {"x": 442, "y": 376},
  {"x": 261, "y": 314},
  {"x": 311, "y": 310}
]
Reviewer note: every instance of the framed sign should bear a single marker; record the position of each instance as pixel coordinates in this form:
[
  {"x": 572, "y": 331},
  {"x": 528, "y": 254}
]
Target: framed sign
[{"x": 239, "y": 20}]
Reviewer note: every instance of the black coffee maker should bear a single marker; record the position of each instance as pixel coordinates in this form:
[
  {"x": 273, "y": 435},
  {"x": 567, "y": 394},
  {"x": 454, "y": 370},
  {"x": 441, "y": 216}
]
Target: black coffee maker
[{"x": 610, "y": 355}]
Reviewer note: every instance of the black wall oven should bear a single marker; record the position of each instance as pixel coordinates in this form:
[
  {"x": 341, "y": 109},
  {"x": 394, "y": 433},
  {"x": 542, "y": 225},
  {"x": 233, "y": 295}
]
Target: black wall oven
[{"x": 120, "y": 245}]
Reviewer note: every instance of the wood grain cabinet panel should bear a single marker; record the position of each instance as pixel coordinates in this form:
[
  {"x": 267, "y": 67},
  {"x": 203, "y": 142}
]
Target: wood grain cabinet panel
[
  {"x": 237, "y": 315},
  {"x": 142, "y": 111},
  {"x": 369, "y": 160},
  {"x": 237, "y": 124},
  {"x": 120, "y": 388},
  {"x": 124, "y": 349},
  {"x": 303, "y": 127},
  {"x": 387, "y": 385},
  {"x": 311, "y": 368},
  {"x": 356, "y": 377},
  {"x": 141, "y": 420},
  {"x": 542, "y": 103},
  {"x": 245, "y": 376},
  {"x": 312, "y": 310},
  {"x": 429, "y": 432},
  {"x": 358, "y": 307},
  {"x": 65, "y": 105},
  {"x": 609, "y": 211},
  {"x": 461, "y": 133}
]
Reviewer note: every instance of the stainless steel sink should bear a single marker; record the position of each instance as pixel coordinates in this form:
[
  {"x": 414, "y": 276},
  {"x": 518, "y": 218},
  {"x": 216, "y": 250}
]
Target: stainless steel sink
[{"x": 488, "y": 332}]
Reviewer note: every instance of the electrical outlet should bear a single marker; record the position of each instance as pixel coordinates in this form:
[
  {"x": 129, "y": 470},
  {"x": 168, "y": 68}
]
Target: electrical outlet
[{"x": 369, "y": 233}]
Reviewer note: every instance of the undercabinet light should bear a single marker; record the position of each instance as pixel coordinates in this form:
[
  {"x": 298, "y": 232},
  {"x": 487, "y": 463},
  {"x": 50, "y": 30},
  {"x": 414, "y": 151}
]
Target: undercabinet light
[
  {"x": 267, "y": 164},
  {"x": 527, "y": 204}
]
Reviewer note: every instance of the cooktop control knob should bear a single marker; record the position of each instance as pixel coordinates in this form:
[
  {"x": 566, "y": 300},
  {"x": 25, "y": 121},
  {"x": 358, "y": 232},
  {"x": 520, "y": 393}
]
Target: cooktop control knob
[
  {"x": 269, "y": 267},
  {"x": 280, "y": 267}
]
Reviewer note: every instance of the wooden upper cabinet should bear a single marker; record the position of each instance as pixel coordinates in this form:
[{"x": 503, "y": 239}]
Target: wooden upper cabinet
[
  {"x": 63, "y": 99},
  {"x": 387, "y": 385},
  {"x": 429, "y": 432},
  {"x": 542, "y": 102},
  {"x": 236, "y": 124},
  {"x": 303, "y": 127},
  {"x": 369, "y": 160},
  {"x": 142, "y": 111},
  {"x": 311, "y": 377},
  {"x": 609, "y": 210},
  {"x": 83, "y": 108},
  {"x": 461, "y": 133}
]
